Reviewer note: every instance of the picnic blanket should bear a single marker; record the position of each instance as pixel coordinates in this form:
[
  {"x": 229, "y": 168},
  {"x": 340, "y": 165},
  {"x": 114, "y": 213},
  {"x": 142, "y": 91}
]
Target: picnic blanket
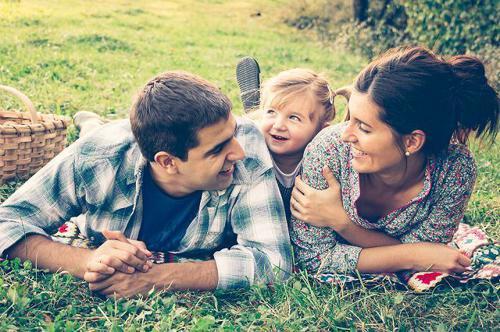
[
  {"x": 472, "y": 241},
  {"x": 69, "y": 233}
]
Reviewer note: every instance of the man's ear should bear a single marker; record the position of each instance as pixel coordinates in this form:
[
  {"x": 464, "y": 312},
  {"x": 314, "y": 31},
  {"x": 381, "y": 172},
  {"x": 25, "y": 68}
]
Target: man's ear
[
  {"x": 166, "y": 161},
  {"x": 414, "y": 142}
]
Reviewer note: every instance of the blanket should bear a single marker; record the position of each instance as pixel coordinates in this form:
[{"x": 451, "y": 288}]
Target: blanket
[{"x": 472, "y": 241}]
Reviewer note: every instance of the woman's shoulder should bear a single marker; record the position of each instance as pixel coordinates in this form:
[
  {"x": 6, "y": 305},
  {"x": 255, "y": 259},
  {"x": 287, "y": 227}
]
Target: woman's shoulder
[
  {"x": 457, "y": 156},
  {"x": 455, "y": 166}
]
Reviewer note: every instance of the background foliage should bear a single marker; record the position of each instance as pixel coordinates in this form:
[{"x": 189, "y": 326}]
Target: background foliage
[
  {"x": 80, "y": 55},
  {"x": 446, "y": 26}
]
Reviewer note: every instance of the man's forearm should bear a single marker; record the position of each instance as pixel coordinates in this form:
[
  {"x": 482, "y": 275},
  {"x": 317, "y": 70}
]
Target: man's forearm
[
  {"x": 48, "y": 254},
  {"x": 187, "y": 276},
  {"x": 171, "y": 277}
]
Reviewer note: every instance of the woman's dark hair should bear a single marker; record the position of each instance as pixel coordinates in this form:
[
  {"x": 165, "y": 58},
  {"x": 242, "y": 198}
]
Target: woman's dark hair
[{"x": 444, "y": 98}]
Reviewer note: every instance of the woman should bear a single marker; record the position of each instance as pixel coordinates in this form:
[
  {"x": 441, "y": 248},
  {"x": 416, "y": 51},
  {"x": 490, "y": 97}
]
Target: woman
[{"x": 404, "y": 171}]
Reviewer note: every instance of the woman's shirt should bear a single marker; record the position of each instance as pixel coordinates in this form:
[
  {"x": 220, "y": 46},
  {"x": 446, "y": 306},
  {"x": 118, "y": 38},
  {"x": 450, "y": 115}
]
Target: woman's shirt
[{"x": 432, "y": 216}]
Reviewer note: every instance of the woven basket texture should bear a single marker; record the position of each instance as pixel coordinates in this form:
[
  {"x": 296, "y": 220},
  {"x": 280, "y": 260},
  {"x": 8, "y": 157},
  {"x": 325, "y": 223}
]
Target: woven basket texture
[{"x": 28, "y": 140}]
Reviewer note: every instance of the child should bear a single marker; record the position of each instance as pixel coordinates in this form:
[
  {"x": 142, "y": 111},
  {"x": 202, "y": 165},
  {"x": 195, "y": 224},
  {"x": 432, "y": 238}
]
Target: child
[{"x": 295, "y": 105}]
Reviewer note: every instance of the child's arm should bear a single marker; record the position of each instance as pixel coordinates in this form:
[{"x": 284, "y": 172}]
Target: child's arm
[{"x": 323, "y": 208}]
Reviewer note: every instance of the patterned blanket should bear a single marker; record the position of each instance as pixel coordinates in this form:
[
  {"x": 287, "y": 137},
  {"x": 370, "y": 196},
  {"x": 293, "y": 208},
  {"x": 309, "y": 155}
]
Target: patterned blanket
[
  {"x": 472, "y": 241},
  {"x": 69, "y": 233}
]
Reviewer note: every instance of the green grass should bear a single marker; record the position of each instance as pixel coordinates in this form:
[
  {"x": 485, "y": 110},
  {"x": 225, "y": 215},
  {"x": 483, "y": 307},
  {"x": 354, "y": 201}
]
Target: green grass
[{"x": 79, "y": 55}]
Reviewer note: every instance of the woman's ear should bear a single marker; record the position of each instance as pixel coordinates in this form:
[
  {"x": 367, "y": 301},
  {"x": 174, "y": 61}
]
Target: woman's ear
[
  {"x": 414, "y": 142},
  {"x": 166, "y": 161}
]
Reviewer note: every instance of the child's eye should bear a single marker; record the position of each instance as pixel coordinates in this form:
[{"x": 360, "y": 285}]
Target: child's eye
[
  {"x": 270, "y": 112},
  {"x": 294, "y": 118}
]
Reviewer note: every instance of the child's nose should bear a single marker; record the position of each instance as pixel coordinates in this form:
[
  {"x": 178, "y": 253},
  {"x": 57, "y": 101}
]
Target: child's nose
[{"x": 279, "y": 124}]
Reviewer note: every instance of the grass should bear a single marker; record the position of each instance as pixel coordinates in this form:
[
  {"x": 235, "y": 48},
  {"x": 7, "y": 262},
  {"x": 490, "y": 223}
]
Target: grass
[{"x": 72, "y": 55}]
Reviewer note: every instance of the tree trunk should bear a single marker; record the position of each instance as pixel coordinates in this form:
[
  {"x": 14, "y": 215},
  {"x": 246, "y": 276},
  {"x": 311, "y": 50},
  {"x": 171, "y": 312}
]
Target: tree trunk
[{"x": 360, "y": 10}]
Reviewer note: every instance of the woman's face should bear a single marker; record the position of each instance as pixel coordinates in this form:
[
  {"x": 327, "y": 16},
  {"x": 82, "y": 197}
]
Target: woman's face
[{"x": 373, "y": 144}]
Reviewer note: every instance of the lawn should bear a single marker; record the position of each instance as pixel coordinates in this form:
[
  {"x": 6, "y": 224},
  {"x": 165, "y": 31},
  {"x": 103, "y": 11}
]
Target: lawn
[{"x": 80, "y": 55}]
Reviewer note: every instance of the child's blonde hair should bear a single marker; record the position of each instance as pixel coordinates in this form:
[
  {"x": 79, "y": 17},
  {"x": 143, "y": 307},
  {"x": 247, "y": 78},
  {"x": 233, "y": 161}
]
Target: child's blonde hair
[{"x": 279, "y": 89}]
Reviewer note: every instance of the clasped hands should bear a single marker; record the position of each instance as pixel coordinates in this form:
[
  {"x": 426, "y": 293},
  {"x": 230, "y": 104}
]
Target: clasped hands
[{"x": 117, "y": 265}]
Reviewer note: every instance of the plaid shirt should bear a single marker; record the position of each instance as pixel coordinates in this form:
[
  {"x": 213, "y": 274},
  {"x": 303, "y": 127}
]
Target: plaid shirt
[{"x": 99, "y": 179}]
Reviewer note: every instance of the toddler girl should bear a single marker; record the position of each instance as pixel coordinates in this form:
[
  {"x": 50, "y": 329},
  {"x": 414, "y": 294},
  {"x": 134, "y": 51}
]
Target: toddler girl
[{"x": 295, "y": 105}]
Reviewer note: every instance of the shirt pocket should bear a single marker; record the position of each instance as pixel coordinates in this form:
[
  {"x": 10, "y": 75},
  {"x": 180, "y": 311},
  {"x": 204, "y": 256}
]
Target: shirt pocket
[{"x": 217, "y": 223}]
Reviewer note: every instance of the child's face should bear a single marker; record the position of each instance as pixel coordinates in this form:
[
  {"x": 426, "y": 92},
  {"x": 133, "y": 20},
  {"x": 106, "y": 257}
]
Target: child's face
[{"x": 289, "y": 128}]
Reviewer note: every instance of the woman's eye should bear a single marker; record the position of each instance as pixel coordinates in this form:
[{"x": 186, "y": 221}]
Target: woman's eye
[{"x": 362, "y": 128}]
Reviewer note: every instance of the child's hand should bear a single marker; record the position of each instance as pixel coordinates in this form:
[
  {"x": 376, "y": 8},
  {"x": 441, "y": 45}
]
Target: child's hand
[
  {"x": 320, "y": 208},
  {"x": 117, "y": 254}
]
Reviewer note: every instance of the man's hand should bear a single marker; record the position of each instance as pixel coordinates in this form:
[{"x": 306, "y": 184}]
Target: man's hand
[
  {"x": 117, "y": 254},
  {"x": 320, "y": 208},
  {"x": 171, "y": 276},
  {"x": 125, "y": 285}
]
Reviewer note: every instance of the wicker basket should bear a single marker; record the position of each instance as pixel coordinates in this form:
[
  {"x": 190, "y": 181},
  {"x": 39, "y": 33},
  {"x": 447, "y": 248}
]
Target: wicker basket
[{"x": 28, "y": 140}]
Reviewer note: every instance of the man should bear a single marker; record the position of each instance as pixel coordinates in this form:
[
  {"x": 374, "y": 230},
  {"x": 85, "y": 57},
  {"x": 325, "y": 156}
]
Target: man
[{"x": 182, "y": 176}]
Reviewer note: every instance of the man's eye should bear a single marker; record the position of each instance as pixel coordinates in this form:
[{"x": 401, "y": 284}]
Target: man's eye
[{"x": 217, "y": 150}]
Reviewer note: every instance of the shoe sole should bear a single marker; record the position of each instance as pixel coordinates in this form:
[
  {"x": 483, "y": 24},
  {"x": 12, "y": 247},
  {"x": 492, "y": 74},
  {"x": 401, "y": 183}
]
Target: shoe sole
[{"x": 248, "y": 78}]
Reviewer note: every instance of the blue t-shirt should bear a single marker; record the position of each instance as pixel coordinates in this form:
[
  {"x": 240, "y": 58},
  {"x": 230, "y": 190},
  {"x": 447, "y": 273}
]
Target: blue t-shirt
[{"x": 165, "y": 218}]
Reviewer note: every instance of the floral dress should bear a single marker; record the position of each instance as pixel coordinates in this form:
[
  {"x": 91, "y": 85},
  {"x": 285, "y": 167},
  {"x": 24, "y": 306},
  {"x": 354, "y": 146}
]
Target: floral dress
[{"x": 432, "y": 216}]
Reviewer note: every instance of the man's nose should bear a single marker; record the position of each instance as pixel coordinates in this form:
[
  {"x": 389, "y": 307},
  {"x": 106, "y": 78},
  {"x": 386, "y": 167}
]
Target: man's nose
[{"x": 236, "y": 153}]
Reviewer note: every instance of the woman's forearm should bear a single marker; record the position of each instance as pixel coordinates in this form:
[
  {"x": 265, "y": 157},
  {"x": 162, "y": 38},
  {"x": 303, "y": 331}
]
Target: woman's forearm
[
  {"x": 421, "y": 256},
  {"x": 386, "y": 259},
  {"x": 359, "y": 236}
]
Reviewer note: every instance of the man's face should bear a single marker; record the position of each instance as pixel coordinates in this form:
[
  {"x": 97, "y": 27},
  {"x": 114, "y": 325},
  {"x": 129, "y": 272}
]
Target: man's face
[{"x": 210, "y": 165}]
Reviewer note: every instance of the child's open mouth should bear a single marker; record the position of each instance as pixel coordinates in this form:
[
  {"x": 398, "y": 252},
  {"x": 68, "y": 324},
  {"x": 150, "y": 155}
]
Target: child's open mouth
[{"x": 279, "y": 138}]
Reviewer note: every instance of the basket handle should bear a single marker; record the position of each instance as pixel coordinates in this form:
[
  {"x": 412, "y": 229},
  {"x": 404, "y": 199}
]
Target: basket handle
[{"x": 27, "y": 102}]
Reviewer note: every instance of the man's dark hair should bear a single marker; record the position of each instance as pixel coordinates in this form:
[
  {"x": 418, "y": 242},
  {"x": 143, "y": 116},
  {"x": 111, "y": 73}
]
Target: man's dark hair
[{"x": 168, "y": 113}]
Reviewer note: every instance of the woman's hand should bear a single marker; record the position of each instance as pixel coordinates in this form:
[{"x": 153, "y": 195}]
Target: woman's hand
[
  {"x": 421, "y": 256},
  {"x": 439, "y": 257},
  {"x": 320, "y": 208}
]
